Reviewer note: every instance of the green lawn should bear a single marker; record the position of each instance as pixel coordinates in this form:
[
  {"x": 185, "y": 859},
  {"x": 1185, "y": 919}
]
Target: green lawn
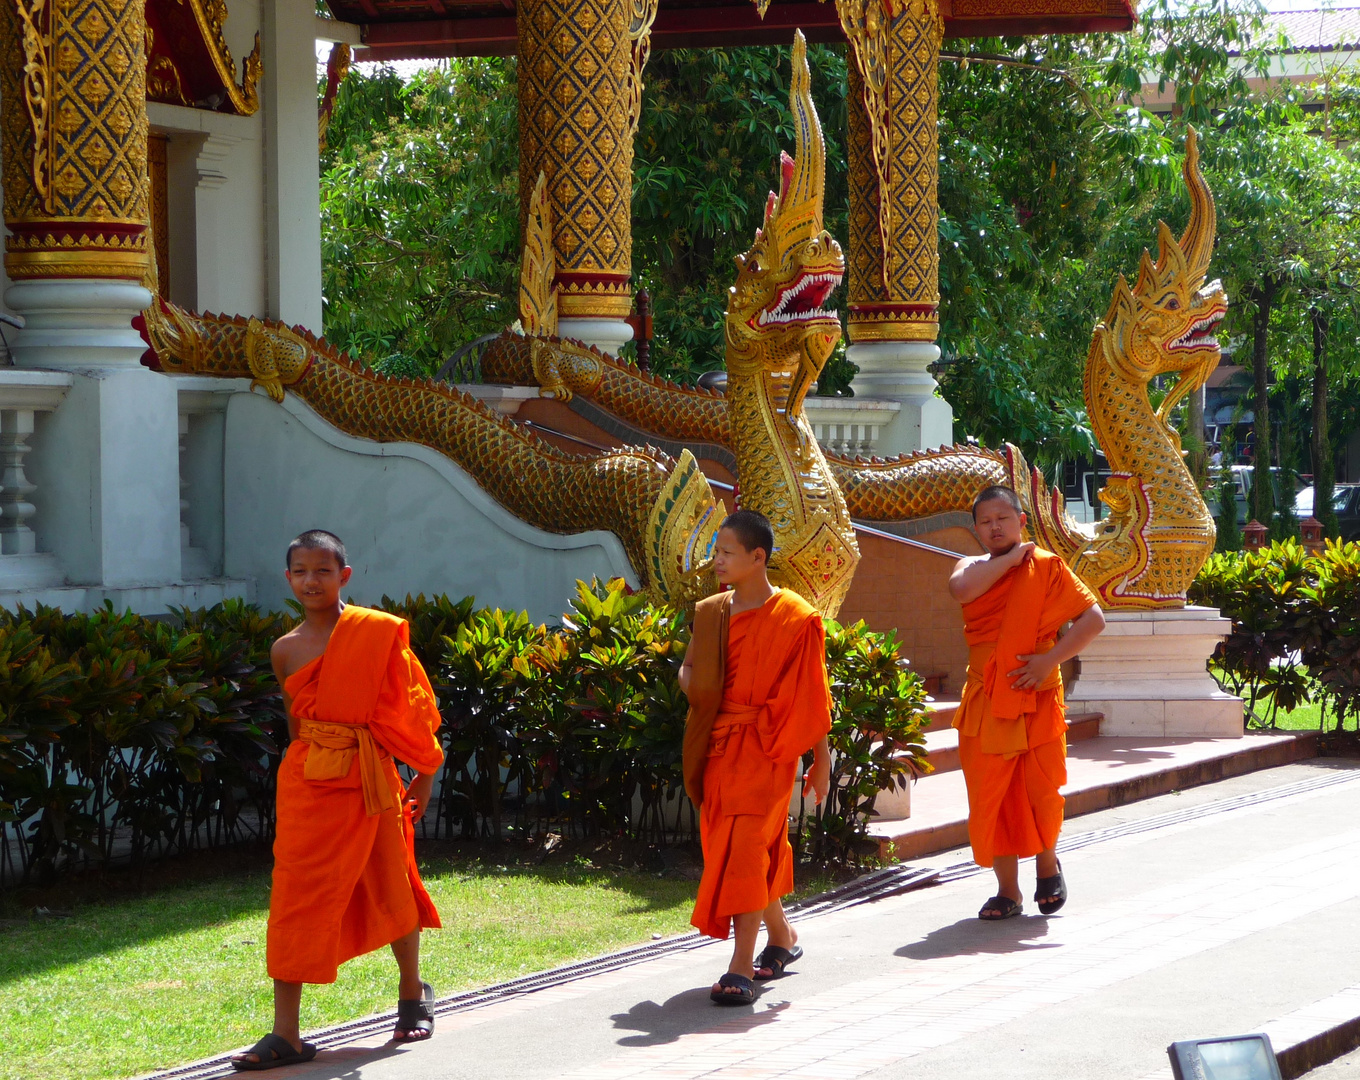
[{"x": 119, "y": 989}]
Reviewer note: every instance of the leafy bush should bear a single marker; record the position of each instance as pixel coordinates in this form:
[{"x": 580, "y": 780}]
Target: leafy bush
[
  {"x": 877, "y": 710},
  {"x": 128, "y": 737},
  {"x": 1296, "y": 625}
]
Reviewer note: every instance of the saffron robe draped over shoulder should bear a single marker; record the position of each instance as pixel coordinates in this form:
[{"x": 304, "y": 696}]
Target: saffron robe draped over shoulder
[
  {"x": 1013, "y": 743},
  {"x": 775, "y": 706},
  {"x": 345, "y": 877}
]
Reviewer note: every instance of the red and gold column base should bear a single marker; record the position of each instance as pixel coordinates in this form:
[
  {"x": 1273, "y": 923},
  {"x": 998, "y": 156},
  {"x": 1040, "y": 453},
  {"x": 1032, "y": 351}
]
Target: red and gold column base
[
  {"x": 76, "y": 249},
  {"x": 594, "y": 296},
  {"x": 893, "y": 322}
]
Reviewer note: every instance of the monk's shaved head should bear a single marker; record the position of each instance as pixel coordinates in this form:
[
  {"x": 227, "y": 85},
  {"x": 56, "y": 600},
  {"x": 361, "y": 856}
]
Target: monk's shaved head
[
  {"x": 318, "y": 540},
  {"x": 752, "y": 529},
  {"x": 1001, "y": 493}
]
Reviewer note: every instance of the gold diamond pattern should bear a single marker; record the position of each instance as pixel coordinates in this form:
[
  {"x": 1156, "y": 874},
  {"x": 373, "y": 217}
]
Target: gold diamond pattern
[
  {"x": 912, "y": 93},
  {"x": 575, "y": 59},
  {"x": 95, "y": 153}
]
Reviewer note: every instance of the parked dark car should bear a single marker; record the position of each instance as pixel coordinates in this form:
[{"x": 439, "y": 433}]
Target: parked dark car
[{"x": 1346, "y": 499}]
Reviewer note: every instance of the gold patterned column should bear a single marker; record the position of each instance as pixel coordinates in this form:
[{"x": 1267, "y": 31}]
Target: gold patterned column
[
  {"x": 894, "y": 169},
  {"x": 576, "y": 92},
  {"x": 73, "y": 135}
]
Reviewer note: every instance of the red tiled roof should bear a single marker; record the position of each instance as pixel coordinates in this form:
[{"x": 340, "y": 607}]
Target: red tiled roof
[{"x": 1319, "y": 30}]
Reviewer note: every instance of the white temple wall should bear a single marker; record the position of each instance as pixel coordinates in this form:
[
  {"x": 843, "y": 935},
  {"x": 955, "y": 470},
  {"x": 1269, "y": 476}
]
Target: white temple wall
[
  {"x": 216, "y": 209},
  {"x": 288, "y": 104},
  {"x": 412, "y": 520}
]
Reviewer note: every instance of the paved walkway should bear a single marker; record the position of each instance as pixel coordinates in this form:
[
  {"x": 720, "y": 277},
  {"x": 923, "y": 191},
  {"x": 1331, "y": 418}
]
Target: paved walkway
[{"x": 1179, "y": 926}]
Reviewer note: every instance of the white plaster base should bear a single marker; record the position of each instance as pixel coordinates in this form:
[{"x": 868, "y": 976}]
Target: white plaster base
[
  {"x": 896, "y": 371},
  {"x": 1147, "y": 673},
  {"x": 152, "y": 600},
  {"x": 607, "y": 335},
  {"x": 77, "y": 324}
]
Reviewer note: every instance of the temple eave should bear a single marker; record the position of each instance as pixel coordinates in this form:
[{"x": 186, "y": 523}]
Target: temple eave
[{"x": 396, "y": 36}]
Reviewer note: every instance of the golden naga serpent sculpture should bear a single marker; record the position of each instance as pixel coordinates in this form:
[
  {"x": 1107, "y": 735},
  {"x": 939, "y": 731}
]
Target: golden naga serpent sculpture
[
  {"x": 778, "y": 338},
  {"x": 662, "y": 510},
  {"x": 1143, "y": 555}
]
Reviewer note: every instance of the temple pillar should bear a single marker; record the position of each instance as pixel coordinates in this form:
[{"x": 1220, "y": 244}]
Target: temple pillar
[
  {"x": 73, "y": 133},
  {"x": 893, "y": 321},
  {"x": 291, "y": 163},
  {"x": 579, "y": 90}
]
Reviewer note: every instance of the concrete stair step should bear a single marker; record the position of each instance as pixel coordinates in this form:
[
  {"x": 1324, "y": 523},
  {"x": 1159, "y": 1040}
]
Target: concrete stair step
[
  {"x": 942, "y": 744},
  {"x": 1102, "y": 771}
]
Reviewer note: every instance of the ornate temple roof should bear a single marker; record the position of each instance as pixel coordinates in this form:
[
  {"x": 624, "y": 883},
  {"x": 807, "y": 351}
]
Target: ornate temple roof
[{"x": 411, "y": 29}]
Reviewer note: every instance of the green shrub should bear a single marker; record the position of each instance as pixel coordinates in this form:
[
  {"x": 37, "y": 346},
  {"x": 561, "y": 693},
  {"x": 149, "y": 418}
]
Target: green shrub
[
  {"x": 878, "y": 711},
  {"x": 123, "y": 736},
  {"x": 1296, "y": 626}
]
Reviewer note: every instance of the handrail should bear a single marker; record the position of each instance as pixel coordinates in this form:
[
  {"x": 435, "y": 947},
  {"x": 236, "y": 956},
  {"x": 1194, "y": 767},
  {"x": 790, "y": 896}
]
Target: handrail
[
  {"x": 456, "y": 366},
  {"x": 867, "y": 530}
]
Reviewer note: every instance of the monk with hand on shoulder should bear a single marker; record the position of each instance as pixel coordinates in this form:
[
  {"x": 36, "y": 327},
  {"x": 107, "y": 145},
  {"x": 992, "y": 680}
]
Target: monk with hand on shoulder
[
  {"x": 755, "y": 676},
  {"x": 1012, "y": 721},
  {"x": 345, "y": 877}
]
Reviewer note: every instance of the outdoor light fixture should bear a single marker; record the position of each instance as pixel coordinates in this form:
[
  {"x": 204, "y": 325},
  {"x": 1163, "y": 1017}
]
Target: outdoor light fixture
[{"x": 1238, "y": 1057}]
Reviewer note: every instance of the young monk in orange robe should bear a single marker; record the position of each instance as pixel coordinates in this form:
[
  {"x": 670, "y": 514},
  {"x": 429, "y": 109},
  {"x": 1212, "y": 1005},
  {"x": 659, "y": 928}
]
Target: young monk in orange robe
[
  {"x": 1012, "y": 722},
  {"x": 755, "y": 676},
  {"x": 345, "y": 877}
]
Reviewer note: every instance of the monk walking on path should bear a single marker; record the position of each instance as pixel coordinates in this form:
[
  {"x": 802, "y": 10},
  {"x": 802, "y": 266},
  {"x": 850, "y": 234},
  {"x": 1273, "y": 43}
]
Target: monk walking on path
[
  {"x": 1012, "y": 721},
  {"x": 345, "y": 877},
  {"x": 755, "y": 676}
]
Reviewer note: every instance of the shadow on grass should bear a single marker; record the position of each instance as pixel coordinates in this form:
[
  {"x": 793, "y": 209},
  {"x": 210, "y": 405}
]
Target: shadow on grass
[
  {"x": 687, "y": 1013},
  {"x": 973, "y": 937}
]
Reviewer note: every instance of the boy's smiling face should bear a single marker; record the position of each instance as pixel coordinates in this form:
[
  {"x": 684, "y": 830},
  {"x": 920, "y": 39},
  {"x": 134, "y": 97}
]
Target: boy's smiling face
[
  {"x": 732, "y": 562},
  {"x": 317, "y": 578},
  {"x": 999, "y": 525}
]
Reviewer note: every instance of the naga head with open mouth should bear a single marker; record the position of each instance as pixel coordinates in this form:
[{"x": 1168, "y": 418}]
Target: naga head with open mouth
[
  {"x": 776, "y": 318},
  {"x": 1165, "y": 324}
]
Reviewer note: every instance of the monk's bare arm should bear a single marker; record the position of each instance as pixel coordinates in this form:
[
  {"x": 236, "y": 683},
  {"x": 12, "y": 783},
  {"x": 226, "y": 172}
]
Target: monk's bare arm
[
  {"x": 686, "y": 672},
  {"x": 1038, "y": 666},
  {"x": 818, "y": 778},
  {"x": 278, "y": 659},
  {"x": 973, "y": 576}
]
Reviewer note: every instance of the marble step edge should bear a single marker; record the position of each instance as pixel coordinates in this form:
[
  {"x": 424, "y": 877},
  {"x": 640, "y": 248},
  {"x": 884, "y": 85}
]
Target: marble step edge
[{"x": 899, "y": 843}]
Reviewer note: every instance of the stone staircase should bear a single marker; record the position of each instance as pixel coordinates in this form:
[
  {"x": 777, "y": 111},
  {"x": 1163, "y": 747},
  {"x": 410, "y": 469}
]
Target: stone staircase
[{"x": 1102, "y": 771}]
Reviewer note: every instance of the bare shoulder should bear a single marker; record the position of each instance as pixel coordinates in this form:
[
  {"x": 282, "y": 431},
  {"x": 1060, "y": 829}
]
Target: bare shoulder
[{"x": 288, "y": 653}]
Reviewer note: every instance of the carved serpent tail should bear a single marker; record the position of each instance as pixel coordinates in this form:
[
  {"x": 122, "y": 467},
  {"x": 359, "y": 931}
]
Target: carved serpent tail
[{"x": 629, "y": 492}]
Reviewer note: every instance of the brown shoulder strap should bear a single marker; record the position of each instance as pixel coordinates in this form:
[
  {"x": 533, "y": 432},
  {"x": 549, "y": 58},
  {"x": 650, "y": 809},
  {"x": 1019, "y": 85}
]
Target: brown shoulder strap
[{"x": 708, "y": 662}]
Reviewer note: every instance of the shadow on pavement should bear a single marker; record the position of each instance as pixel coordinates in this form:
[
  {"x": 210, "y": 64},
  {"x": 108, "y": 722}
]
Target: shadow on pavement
[
  {"x": 972, "y": 937},
  {"x": 688, "y": 1012},
  {"x": 341, "y": 1063}
]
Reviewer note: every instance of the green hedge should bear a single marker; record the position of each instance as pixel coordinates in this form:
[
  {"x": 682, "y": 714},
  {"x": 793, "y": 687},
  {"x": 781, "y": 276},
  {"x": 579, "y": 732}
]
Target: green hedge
[
  {"x": 123, "y": 737},
  {"x": 1296, "y": 626}
]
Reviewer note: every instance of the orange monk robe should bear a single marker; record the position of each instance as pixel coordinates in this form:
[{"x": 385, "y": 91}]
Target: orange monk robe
[
  {"x": 775, "y": 706},
  {"x": 1013, "y": 743},
  {"x": 345, "y": 878}
]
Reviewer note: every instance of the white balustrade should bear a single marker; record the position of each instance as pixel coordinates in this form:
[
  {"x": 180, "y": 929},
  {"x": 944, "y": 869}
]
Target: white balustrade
[
  {"x": 24, "y": 395},
  {"x": 850, "y": 426}
]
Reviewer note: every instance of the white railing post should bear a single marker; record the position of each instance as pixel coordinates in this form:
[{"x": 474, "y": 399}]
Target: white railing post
[{"x": 16, "y": 537}]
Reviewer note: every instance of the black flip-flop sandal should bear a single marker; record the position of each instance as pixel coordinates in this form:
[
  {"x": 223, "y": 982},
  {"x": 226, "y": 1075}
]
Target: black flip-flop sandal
[
  {"x": 746, "y": 990},
  {"x": 776, "y": 958},
  {"x": 274, "y": 1051},
  {"x": 1002, "y": 906},
  {"x": 416, "y": 1014},
  {"x": 1050, "y": 893}
]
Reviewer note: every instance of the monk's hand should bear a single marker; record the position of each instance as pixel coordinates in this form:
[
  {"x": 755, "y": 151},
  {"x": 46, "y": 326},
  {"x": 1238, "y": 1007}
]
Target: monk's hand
[
  {"x": 418, "y": 794},
  {"x": 1021, "y": 553},
  {"x": 1038, "y": 667},
  {"x": 817, "y": 782}
]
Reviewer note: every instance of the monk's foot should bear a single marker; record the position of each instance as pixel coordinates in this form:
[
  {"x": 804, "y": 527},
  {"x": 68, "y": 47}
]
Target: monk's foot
[
  {"x": 273, "y": 1051},
  {"x": 415, "y": 1016},
  {"x": 1000, "y": 907},
  {"x": 1050, "y": 892},
  {"x": 771, "y": 963},
  {"x": 733, "y": 989}
]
